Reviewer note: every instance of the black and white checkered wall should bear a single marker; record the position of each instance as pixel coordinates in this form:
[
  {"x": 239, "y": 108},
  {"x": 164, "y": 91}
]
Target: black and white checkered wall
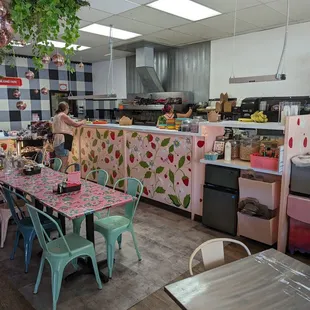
[{"x": 80, "y": 83}]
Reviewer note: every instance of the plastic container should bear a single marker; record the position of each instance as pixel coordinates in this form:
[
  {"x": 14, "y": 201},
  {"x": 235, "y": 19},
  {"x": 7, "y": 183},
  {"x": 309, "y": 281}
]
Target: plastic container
[
  {"x": 248, "y": 146},
  {"x": 227, "y": 156},
  {"x": 267, "y": 163}
]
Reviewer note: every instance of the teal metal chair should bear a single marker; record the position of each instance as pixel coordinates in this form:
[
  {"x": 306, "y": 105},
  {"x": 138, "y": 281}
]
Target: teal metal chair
[
  {"x": 60, "y": 252},
  {"x": 102, "y": 179},
  {"x": 55, "y": 163},
  {"x": 112, "y": 227},
  {"x": 76, "y": 166},
  {"x": 24, "y": 226}
]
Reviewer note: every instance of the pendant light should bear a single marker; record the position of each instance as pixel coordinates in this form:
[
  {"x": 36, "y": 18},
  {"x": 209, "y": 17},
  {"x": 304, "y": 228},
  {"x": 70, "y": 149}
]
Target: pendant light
[{"x": 262, "y": 78}]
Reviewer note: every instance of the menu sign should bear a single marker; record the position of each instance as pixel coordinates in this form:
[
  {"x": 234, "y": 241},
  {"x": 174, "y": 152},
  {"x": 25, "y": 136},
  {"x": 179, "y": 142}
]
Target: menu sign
[{"x": 8, "y": 81}]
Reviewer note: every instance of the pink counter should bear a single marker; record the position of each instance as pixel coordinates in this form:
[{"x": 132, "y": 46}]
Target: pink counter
[{"x": 167, "y": 162}]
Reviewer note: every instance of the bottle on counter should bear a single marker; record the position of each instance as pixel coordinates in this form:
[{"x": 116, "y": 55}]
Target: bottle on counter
[{"x": 227, "y": 151}]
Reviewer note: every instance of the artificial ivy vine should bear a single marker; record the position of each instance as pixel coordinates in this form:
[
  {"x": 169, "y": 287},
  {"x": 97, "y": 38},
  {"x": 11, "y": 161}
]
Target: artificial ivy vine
[{"x": 37, "y": 21}]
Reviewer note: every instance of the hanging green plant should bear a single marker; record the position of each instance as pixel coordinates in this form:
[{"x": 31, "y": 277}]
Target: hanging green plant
[{"x": 38, "y": 21}]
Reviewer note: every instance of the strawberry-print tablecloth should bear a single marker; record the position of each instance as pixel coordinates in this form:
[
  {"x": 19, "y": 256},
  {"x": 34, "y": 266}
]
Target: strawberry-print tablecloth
[{"x": 91, "y": 198}]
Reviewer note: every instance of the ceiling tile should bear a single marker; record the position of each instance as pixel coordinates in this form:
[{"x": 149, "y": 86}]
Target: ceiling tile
[
  {"x": 225, "y": 23},
  {"x": 199, "y": 30},
  {"x": 97, "y": 54},
  {"x": 226, "y": 6},
  {"x": 93, "y": 40},
  {"x": 92, "y": 15},
  {"x": 129, "y": 25},
  {"x": 299, "y": 9},
  {"x": 268, "y": 16},
  {"x": 154, "y": 17},
  {"x": 176, "y": 37},
  {"x": 114, "y": 6}
]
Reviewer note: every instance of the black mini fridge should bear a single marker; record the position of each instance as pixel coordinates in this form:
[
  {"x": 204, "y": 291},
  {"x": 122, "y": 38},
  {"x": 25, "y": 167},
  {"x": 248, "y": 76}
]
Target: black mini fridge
[{"x": 221, "y": 197}]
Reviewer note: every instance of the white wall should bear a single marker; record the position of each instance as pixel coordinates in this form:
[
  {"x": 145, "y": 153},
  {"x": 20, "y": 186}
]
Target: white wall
[
  {"x": 100, "y": 77},
  {"x": 259, "y": 54}
]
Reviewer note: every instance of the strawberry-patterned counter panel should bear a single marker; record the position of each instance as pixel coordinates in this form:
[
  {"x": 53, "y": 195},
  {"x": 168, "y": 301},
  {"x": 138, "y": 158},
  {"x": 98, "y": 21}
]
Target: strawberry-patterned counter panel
[
  {"x": 102, "y": 148},
  {"x": 167, "y": 165},
  {"x": 163, "y": 164}
]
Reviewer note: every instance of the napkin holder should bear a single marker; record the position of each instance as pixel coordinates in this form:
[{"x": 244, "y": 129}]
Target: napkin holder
[
  {"x": 32, "y": 170},
  {"x": 64, "y": 188}
]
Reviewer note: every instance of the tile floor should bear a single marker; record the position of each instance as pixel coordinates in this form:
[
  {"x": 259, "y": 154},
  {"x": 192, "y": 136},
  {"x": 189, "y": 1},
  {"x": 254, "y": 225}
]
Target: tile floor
[{"x": 165, "y": 239}]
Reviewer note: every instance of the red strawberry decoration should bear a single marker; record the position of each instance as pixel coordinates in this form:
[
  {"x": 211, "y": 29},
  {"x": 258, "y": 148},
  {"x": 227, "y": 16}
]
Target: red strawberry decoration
[
  {"x": 114, "y": 174},
  {"x": 106, "y": 160},
  {"x": 145, "y": 191},
  {"x": 149, "y": 154},
  {"x": 298, "y": 122},
  {"x": 200, "y": 143},
  {"x": 305, "y": 142},
  {"x": 88, "y": 134},
  {"x": 150, "y": 138},
  {"x": 85, "y": 168},
  {"x": 290, "y": 143},
  {"x": 103, "y": 145},
  {"x": 4, "y": 146},
  {"x": 131, "y": 158},
  {"x": 171, "y": 157},
  {"x": 117, "y": 154},
  {"x": 188, "y": 158},
  {"x": 112, "y": 135},
  {"x": 153, "y": 145},
  {"x": 185, "y": 180}
]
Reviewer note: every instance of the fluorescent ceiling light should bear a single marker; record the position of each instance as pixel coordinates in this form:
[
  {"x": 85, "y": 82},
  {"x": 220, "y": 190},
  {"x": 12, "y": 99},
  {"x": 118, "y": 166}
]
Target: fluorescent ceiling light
[
  {"x": 184, "y": 8},
  {"x": 58, "y": 44},
  {"x": 105, "y": 31}
]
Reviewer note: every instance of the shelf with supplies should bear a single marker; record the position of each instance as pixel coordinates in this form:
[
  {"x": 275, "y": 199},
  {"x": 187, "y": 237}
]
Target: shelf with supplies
[{"x": 238, "y": 164}]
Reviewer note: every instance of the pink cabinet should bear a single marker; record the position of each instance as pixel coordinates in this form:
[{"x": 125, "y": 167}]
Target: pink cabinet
[{"x": 298, "y": 210}]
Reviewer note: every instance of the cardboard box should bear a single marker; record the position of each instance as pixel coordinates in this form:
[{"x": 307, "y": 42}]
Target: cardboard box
[
  {"x": 265, "y": 231},
  {"x": 266, "y": 193}
]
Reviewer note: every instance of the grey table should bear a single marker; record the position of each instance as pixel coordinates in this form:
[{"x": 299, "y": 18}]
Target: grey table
[{"x": 268, "y": 280}]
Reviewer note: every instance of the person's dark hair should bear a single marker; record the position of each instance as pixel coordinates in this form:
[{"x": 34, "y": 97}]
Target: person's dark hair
[
  {"x": 62, "y": 107},
  {"x": 167, "y": 108}
]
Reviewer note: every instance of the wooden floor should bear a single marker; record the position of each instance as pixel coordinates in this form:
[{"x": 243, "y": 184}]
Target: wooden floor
[{"x": 160, "y": 299}]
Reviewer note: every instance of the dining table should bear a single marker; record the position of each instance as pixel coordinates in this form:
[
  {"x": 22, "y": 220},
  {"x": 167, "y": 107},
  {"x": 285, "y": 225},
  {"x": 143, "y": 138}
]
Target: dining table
[
  {"x": 91, "y": 198},
  {"x": 267, "y": 280}
]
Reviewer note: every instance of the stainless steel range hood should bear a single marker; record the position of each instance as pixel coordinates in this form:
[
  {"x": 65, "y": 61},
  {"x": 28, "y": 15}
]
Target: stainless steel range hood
[{"x": 146, "y": 70}]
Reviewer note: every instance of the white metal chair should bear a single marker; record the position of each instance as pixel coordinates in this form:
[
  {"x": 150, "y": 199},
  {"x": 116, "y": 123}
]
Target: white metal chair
[{"x": 213, "y": 253}]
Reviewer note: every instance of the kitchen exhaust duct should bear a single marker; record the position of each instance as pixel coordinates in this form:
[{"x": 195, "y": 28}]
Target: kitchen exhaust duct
[{"x": 146, "y": 70}]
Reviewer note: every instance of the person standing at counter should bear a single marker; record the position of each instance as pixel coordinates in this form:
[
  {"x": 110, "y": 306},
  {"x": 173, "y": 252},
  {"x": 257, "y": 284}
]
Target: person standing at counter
[
  {"x": 63, "y": 133},
  {"x": 169, "y": 113}
]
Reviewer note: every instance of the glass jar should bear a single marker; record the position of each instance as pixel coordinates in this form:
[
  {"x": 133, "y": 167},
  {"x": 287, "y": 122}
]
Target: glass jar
[
  {"x": 235, "y": 149},
  {"x": 248, "y": 146},
  {"x": 195, "y": 126}
]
